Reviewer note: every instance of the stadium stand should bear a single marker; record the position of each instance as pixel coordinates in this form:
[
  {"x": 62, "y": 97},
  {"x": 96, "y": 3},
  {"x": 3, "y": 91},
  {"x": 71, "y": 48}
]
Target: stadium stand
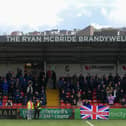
[
  {"x": 92, "y": 90},
  {"x": 74, "y": 91},
  {"x": 17, "y": 90}
]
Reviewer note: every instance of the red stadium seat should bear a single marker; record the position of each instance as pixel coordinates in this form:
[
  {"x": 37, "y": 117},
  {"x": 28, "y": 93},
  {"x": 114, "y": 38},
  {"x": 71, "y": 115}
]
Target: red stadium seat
[
  {"x": 68, "y": 93},
  {"x": 62, "y": 105},
  {"x": 117, "y": 105},
  {"x": 4, "y": 103},
  {"x": 14, "y": 106},
  {"x": 19, "y": 105},
  {"x": 68, "y": 105},
  {"x": 5, "y": 97}
]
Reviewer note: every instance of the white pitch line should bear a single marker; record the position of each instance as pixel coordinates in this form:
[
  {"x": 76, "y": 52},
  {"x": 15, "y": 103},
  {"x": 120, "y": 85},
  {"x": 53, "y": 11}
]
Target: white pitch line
[{"x": 89, "y": 123}]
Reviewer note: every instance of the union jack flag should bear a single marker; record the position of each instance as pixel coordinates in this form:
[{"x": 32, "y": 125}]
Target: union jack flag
[{"x": 94, "y": 112}]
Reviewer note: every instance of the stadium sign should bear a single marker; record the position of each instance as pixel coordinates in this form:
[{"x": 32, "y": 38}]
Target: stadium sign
[
  {"x": 8, "y": 113},
  {"x": 50, "y": 113},
  {"x": 68, "y": 38},
  {"x": 118, "y": 113},
  {"x": 114, "y": 113}
]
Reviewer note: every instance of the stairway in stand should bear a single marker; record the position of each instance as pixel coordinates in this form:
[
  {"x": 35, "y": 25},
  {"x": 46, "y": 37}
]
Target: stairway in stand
[{"x": 52, "y": 97}]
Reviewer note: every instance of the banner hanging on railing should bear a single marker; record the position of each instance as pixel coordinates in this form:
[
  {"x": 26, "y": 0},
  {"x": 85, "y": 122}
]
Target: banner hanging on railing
[
  {"x": 94, "y": 112},
  {"x": 50, "y": 113},
  {"x": 8, "y": 113},
  {"x": 118, "y": 113}
]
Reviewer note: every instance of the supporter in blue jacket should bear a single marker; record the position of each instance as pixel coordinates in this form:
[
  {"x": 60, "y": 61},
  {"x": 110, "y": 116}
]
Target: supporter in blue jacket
[{"x": 5, "y": 87}]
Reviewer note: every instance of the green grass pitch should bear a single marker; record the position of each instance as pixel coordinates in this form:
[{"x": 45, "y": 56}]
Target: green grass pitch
[{"x": 62, "y": 123}]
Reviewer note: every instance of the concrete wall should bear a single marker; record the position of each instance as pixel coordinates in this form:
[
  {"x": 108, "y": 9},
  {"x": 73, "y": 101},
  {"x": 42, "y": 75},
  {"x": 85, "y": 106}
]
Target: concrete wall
[
  {"x": 122, "y": 69},
  {"x": 71, "y": 69},
  {"x": 4, "y": 68},
  {"x": 93, "y": 69}
]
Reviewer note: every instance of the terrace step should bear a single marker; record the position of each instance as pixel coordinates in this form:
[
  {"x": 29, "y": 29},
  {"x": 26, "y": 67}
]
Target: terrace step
[{"x": 52, "y": 97}]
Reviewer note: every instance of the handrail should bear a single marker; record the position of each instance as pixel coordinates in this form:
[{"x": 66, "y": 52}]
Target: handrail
[{"x": 117, "y": 105}]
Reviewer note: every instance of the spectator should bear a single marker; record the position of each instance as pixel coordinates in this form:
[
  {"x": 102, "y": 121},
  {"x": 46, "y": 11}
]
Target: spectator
[
  {"x": 60, "y": 83},
  {"x": 89, "y": 95},
  {"x": 110, "y": 77},
  {"x": 103, "y": 94},
  {"x": 74, "y": 102},
  {"x": 78, "y": 86},
  {"x": 54, "y": 79},
  {"x": 67, "y": 99},
  {"x": 18, "y": 86},
  {"x": 42, "y": 82},
  {"x": 79, "y": 94},
  {"x": 25, "y": 100},
  {"x": 36, "y": 85},
  {"x": 74, "y": 79},
  {"x": 117, "y": 78},
  {"x": 0, "y": 101},
  {"x": 111, "y": 99},
  {"x": 29, "y": 90},
  {"x": 86, "y": 102},
  {"x": 12, "y": 88},
  {"x": 84, "y": 95},
  {"x": 120, "y": 94},
  {"x": 79, "y": 103},
  {"x": 109, "y": 89},
  {"x": 62, "y": 94},
  {"x": 116, "y": 87},
  {"x": 8, "y": 75},
  {"x": 72, "y": 98},
  {"x": 98, "y": 92},
  {"x": 42, "y": 93},
  {"x": 9, "y": 103},
  {"x": 36, "y": 94},
  {"x": 42, "y": 101},
  {"x": 5, "y": 87},
  {"x": 123, "y": 101},
  {"x": 17, "y": 96}
]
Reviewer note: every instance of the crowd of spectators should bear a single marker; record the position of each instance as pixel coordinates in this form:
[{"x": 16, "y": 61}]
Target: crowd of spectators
[
  {"x": 83, "y": 90},
  {"x": 21, "y": 88},
  {"x": 75, "y": 90}
]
